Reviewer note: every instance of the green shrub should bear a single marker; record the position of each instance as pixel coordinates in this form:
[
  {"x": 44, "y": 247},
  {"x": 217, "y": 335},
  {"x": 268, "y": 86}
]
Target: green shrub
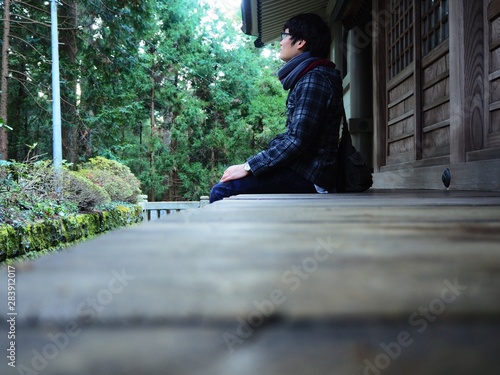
[
  {"x": 35, "y": 188},
  {"x": 30, "y": 191},
  {"x": 113, "y": 185},
  {"x": 27, "y": 194},
  {"x": 33, "y": 178},
  {"x": 39, "y": 209},
  {"x": 81, "y": 191},
  {"x": 3, "y": 170}
]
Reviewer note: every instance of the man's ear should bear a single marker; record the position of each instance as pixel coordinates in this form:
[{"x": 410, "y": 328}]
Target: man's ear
[{"x": 301, "y": 44}]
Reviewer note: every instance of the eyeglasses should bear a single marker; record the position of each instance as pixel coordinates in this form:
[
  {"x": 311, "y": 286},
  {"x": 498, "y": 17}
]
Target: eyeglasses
[{"x": 284, "y": 35}]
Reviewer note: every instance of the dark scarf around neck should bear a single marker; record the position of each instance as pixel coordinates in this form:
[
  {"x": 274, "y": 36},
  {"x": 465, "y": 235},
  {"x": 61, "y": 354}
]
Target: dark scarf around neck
[{"x": 297, "y": 67}]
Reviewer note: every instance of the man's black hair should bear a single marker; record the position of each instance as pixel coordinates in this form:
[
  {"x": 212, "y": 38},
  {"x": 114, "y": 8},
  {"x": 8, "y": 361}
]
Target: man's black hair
[{"x": 311, "y": 28}]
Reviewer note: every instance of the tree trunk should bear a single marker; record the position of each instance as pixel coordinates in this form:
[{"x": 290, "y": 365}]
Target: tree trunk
[{"x": 4, "y": 142}]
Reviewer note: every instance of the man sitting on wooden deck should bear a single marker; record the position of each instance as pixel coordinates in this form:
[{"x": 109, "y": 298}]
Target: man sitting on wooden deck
[{"x": 301, "y": 160}]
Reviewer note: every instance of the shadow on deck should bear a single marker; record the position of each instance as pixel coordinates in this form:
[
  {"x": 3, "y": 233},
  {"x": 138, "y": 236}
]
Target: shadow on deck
[{"x": 385, "y": 282}]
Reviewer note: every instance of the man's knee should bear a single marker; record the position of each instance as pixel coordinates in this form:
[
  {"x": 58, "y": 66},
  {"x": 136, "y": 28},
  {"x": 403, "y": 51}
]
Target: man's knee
[{"x": 216, "y": 193}]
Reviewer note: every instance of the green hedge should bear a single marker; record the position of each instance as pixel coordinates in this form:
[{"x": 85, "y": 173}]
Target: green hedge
[{"x": 54, "y": 233}]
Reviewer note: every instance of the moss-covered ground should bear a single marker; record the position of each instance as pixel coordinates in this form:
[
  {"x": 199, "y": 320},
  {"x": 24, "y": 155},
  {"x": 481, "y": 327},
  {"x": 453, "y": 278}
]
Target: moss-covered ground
[{"x": 52, "y": 234}]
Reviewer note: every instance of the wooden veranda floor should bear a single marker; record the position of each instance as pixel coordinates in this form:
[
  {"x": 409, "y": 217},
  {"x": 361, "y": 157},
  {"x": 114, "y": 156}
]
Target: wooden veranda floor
[{"x": 385, "y": 282}]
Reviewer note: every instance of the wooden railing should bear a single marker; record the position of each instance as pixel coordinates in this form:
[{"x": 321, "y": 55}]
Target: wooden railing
[{"x": 154, "y": 210}]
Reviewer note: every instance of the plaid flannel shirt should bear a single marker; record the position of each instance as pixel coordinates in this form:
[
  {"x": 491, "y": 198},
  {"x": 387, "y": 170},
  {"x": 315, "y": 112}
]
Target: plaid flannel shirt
[{"x": 309, "y": 144}]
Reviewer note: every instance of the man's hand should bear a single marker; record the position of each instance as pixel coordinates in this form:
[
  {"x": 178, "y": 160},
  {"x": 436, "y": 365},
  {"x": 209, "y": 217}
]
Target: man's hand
[{"x": 234, "y": 172}]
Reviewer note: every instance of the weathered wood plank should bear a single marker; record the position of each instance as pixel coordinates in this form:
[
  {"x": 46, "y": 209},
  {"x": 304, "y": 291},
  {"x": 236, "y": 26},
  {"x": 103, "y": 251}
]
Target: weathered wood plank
[
  {"x": 474, "y": 175},
  {"x": 329, "y": 280}
]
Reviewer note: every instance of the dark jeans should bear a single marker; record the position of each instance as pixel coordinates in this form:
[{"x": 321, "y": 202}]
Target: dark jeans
[{"x": 282, "y": 180}]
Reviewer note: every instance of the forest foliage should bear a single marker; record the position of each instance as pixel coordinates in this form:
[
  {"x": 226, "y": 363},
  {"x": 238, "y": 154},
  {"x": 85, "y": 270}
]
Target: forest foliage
[{"x": 172, "y": 89}]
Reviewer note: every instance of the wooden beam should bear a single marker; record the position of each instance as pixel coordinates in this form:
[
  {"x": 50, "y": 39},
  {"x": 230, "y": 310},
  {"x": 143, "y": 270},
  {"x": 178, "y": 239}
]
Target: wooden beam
[{"x": 477, "y": 175}]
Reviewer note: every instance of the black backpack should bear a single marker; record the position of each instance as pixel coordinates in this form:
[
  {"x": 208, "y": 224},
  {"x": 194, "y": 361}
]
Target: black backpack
[{"x": 353, "y": 174}]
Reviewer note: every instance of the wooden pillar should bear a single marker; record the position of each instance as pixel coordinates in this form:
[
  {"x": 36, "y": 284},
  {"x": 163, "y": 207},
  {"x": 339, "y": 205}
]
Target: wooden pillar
[
  {"x": 457, "y": 76},
  {"x": 466, "y": 77},
  {"x": 359, "y": 64},
  {"x": 338, "y": 46},
  {"x": 379, "y": 86},
  {"x": 417, "y": 80}
]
